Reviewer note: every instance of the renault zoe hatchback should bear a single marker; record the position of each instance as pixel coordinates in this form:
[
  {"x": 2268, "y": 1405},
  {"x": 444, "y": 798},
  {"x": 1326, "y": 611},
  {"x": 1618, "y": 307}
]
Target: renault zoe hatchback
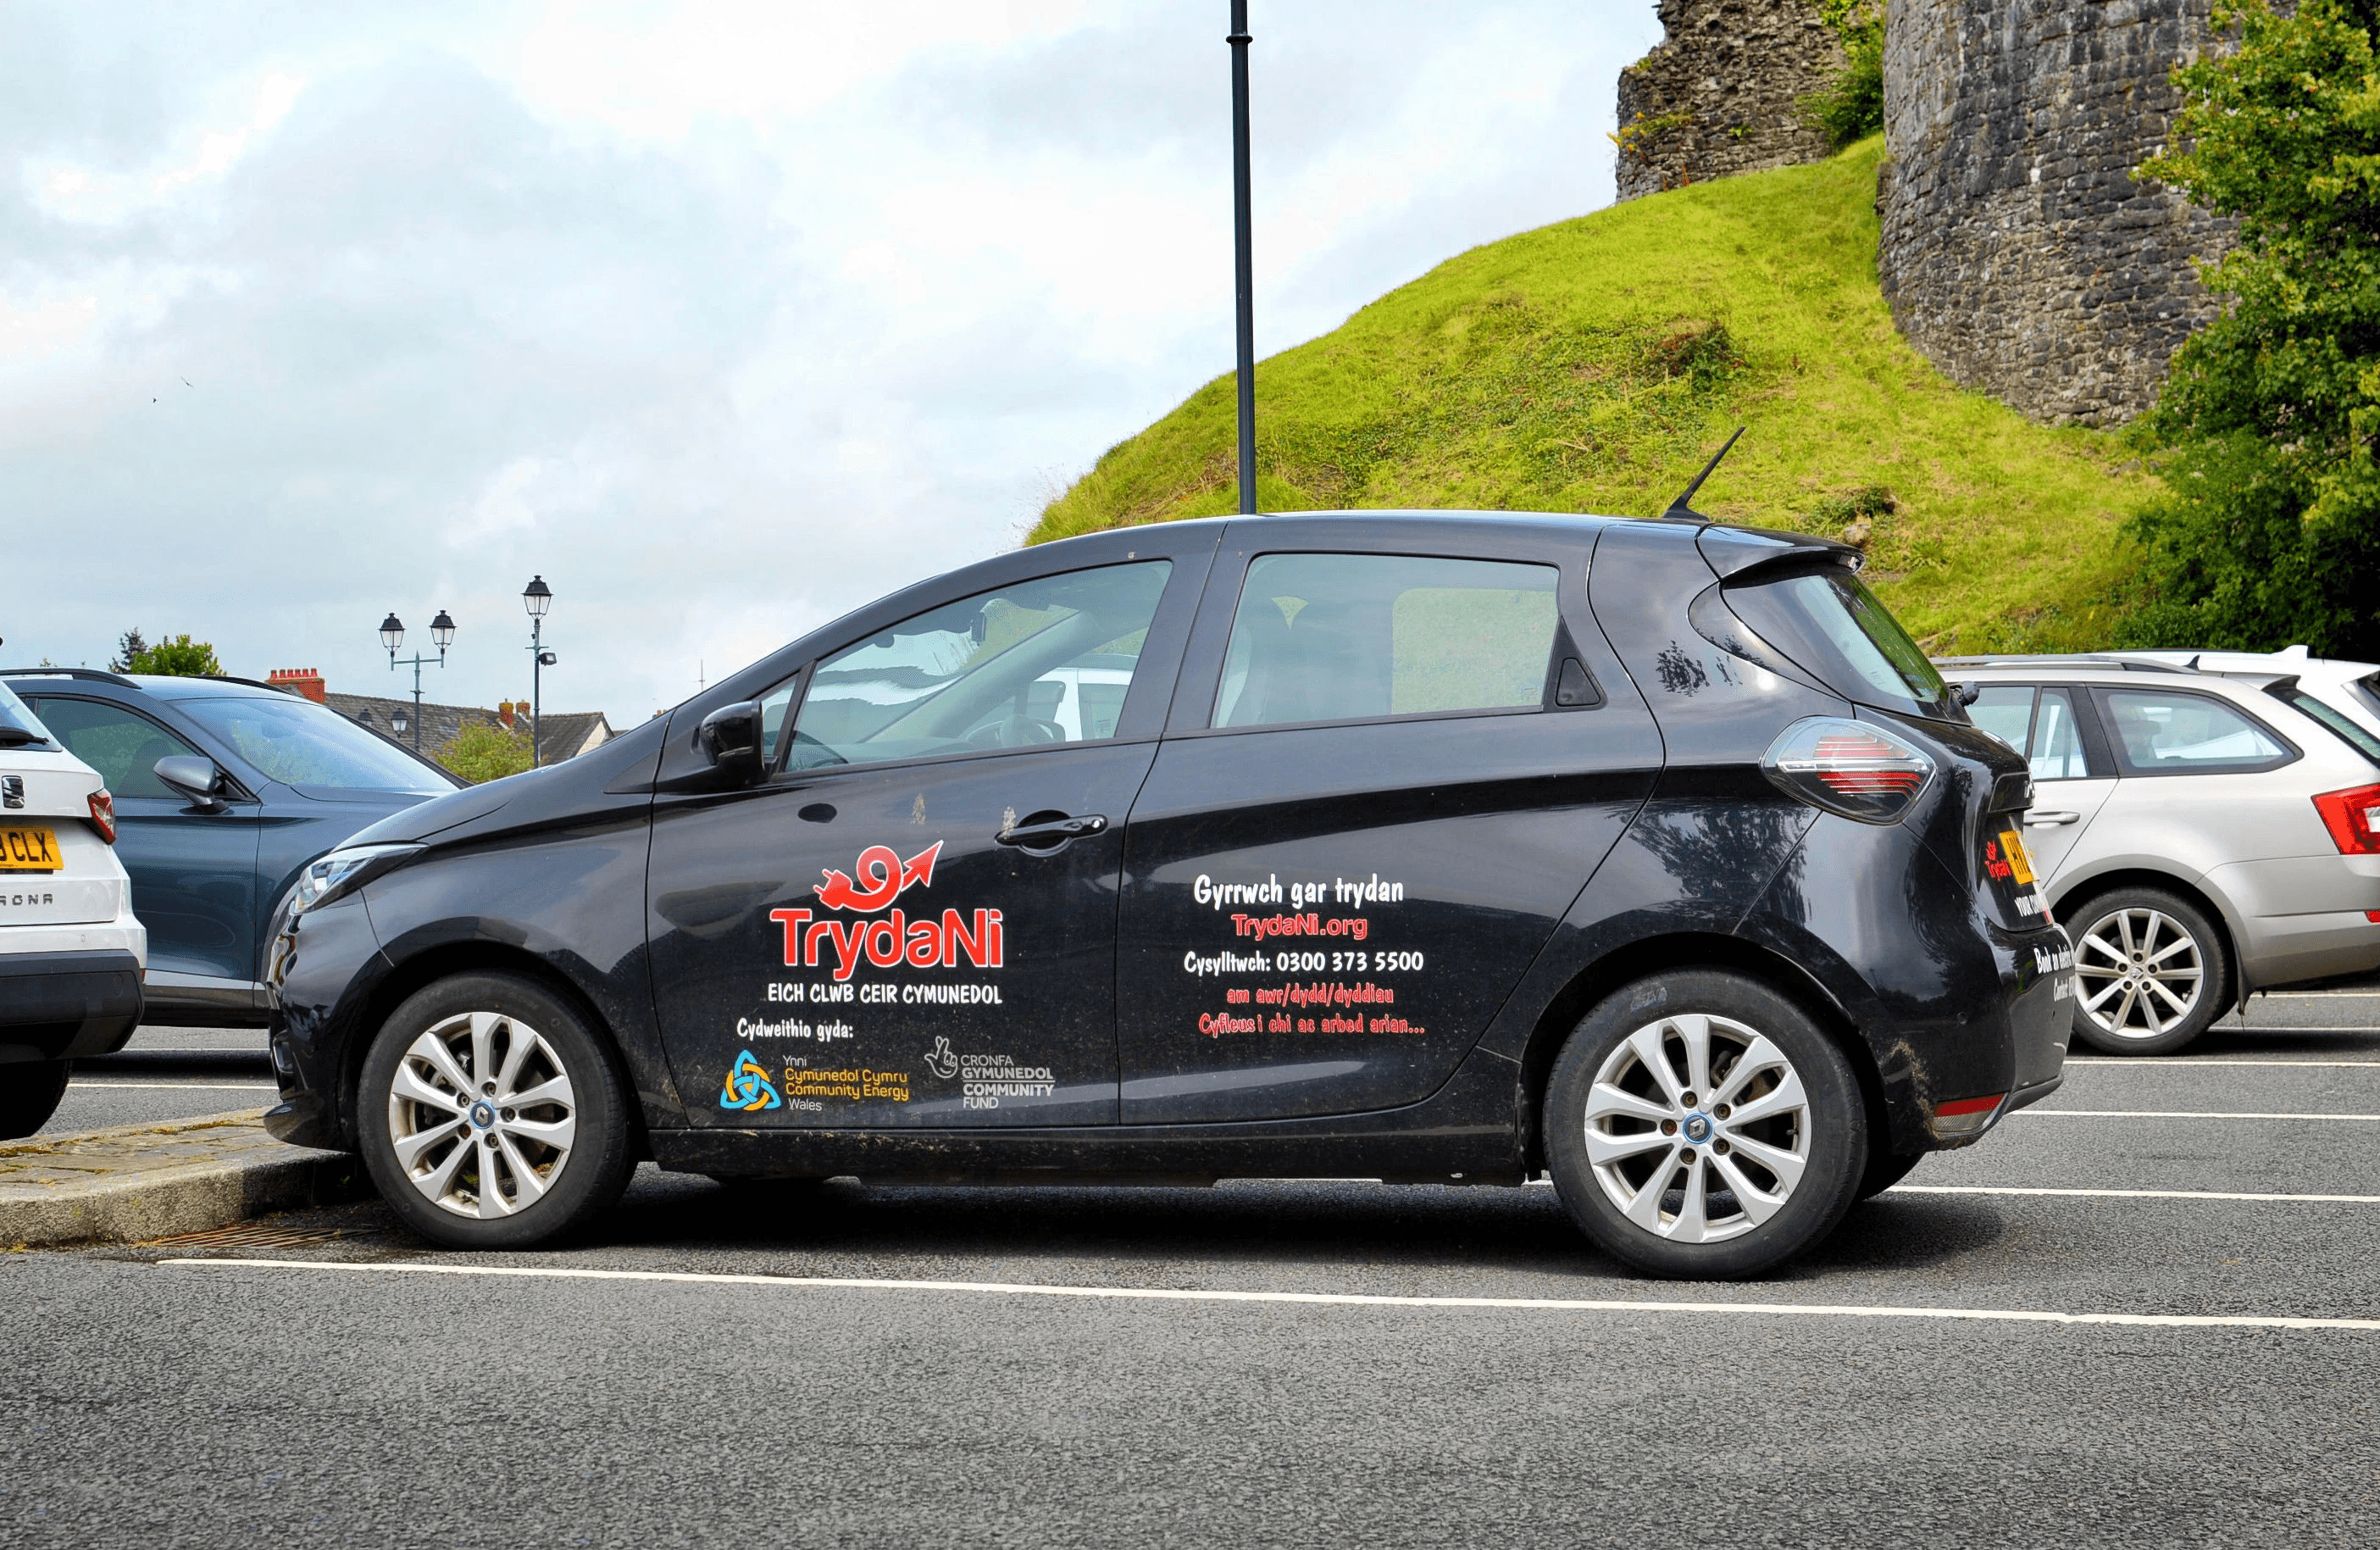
[
  {"x": 71, "y": 953},
  {"x": 1433, "y": 847}
]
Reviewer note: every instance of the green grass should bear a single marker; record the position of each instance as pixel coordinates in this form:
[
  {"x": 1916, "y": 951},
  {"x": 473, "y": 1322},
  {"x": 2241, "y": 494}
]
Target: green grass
[{"x": 1593, "y": 365}]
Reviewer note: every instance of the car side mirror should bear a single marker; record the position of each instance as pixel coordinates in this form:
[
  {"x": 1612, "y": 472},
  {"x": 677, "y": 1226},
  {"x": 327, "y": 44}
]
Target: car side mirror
[
  {"x": 730, "y": 737},
  {"x": 1966, "y": 692},
  {"x": 195, "y": 779}
]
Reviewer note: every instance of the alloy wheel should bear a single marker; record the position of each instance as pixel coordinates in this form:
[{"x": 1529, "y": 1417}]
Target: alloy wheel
[
  {"x": 2140, "y": 972},
  {"x": 1697, "y": 1129},
  {"x": 481, "y": 1115}
]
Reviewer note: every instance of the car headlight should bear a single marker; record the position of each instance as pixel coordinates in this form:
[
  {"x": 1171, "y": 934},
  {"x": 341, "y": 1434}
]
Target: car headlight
[{"x": 342, "y": 873}]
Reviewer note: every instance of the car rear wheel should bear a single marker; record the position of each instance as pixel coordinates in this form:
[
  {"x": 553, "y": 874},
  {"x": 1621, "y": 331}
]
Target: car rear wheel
[
  {"x": 2151, "y": 972},
  {"x": 491, "y": 1116},
  {"x": 1700, "y": 1125},
  {"x": 29, "y": 1092}
]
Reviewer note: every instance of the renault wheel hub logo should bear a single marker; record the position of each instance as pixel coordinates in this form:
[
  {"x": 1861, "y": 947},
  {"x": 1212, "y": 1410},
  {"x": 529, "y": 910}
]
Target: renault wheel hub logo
[
  {"x": 1698, "y": 1127},
  {"x": 483, "y": 1114}
]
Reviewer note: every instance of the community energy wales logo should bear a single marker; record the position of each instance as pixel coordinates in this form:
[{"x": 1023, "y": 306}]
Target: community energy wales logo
[{"x": 748, "y": 1087}]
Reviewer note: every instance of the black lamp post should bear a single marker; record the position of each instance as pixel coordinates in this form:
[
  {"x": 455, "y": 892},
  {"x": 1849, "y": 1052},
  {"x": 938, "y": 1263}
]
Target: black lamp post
[
  {"x": 536, "y": 597},
  {"x": 1243, "y": 256},
  {"x": 391, "y": 634}
]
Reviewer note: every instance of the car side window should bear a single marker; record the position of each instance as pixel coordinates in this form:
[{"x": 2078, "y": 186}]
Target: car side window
[
  {"x": 124, "y": 748},
  {"x": 2159, "y": 733},
  {"x": 2057, "y": 747},
  {"x": 1356, "y": 637},
  {"x": 1043, "y": 661},
  {"x": 773, "y": 706},
  {"x": 2006, "y": 712}
]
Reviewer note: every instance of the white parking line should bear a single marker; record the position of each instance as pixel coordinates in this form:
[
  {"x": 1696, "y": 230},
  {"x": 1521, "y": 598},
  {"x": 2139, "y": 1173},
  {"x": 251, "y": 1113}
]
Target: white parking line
[
  {"x": 2151, "y": 1063},
  {"x": 1350, "y": 1300},
  {"x": 2186, "y": 1114},
  {"x": 2315, "y": 995},
  {"x": 81, "y": 1086},
  {"x": 2126, "y": 1194}
]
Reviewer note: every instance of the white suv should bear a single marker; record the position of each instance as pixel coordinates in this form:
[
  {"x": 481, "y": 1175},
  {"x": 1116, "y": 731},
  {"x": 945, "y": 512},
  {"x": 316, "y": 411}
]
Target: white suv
[{"x": 71, "y": 953}]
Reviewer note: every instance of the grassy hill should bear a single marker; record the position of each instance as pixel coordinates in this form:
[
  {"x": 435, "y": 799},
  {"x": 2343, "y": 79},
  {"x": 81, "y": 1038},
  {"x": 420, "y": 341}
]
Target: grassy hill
[{"x": 1593, "y": 365}]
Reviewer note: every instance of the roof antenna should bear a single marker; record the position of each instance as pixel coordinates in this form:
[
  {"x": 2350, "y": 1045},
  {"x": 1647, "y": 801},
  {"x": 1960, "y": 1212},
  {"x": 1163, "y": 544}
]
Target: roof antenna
[{"x": 1679, "y": 508}]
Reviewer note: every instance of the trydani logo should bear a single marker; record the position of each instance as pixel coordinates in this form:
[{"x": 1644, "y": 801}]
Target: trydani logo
[{"x": 748, "y": 1087}]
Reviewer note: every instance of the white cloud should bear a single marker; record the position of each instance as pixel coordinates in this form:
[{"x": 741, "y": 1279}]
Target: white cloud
[{"x": 723, "y": 318}]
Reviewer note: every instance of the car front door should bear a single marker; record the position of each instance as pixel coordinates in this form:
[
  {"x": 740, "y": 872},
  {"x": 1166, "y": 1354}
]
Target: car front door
[
  {"x": 193, "y": 871},
  {"x": 1386, "y": 776},
  {"x": 2072, "y": 773},
  {"x": 911, "y": 920}
]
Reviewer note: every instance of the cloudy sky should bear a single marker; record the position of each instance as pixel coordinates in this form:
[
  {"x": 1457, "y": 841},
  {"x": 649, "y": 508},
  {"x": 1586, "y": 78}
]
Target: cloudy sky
[{"x": 723, "y": 318}]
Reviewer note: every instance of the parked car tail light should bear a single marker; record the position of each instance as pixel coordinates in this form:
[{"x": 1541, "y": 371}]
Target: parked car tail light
[
  {"x": 2353, "y": 819},
  {"x": 1848, "y": 768},
  {"x": 102, "y": 813}
]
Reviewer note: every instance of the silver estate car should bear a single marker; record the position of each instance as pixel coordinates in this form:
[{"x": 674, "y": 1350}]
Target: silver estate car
[{"x": 2200, "y": 835}]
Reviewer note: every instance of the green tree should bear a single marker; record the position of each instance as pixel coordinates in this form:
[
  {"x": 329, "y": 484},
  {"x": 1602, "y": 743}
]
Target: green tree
[
  {"x": 2269, "y": 528},
  {"x": 485, "y": 750},
  {"x": 180, "y": 657},
  {"x": 1851, "y": 105}
]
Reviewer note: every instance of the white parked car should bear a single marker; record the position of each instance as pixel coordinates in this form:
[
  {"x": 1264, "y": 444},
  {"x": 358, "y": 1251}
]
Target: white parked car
[
  {"x": 71, "y": 953},
  {"x": 2352, "y": 689}
]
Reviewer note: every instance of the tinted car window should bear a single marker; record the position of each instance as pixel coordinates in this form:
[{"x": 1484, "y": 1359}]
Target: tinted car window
[
  {"x": 1346, "y": 636},
  {"x": 986, "y": 672},
  {"x": 2355, "y": 737},
  {"x": 123, "y": 747},
  {"x": 298, "y": 743},
  {"x": 2006, "y": 712},
  {"x": 1833, "y": 626},
  {"x": 2167, "y": 734},
  {"x": 2057, "y": 748}
]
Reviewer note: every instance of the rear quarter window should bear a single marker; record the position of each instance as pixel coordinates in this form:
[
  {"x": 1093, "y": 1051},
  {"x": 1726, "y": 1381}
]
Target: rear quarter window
[{"x": 1828, "y": 623}]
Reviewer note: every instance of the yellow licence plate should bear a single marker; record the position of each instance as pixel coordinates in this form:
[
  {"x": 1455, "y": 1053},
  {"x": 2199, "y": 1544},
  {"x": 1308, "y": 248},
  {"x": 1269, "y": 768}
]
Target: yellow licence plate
[
  {"x": 2020, "y": 863},
  {"x": 29, "y": 850}
]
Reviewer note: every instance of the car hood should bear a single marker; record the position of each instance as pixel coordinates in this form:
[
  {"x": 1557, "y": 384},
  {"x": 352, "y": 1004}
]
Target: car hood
[{"x": 437, "y": 815}]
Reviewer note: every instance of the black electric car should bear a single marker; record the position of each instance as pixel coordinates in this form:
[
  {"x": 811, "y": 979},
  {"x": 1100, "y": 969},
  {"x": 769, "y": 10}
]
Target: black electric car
[{"x": 1429, "y": 846}]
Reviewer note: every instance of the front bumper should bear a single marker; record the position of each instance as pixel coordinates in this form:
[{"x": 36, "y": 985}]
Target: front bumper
[{"x": 66, "y": 1006}]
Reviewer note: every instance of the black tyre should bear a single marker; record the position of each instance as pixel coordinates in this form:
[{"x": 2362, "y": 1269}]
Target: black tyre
[
  {"x": 29, "y": 1092},
  {"x": 1700, "y": 1125},
  {"x": 2152, "y": 972},
  {"x": 1886, "y": 1169},
  {"x": 491, "y": 1116}
]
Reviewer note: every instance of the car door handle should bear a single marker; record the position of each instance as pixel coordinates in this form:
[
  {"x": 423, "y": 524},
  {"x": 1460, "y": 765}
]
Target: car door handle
[
  {"x": 2050, "y": 820},
  {"x": 1052, "y": 832}
]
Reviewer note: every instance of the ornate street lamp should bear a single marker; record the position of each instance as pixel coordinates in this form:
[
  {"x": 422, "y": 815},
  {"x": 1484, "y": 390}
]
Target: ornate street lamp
[
  {"x": 391, "y": 634},
  {"x": 536, "y": 597}
]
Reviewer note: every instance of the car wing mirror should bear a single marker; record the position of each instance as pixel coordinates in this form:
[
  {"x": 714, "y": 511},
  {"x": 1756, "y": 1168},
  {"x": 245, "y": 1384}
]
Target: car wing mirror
[
  {"x": 193, "y": 778},
  {"x": 730, "y": 737}
]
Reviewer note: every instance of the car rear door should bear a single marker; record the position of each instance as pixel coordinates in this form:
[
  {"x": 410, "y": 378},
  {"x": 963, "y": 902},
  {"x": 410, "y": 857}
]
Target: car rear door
[
  {"x": 911, "y": 920},
  {"x": 1396, "y": 756},
  {"x": 2052, "y": 726}
]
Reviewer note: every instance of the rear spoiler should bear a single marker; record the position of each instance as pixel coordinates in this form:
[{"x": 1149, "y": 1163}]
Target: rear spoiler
[{"x": 1735, "y": 553}]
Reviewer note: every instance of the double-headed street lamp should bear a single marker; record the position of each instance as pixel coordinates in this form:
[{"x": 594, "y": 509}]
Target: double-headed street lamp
[
  {"x": 536, "y": 597},
  {"x": 391, "y": 634}
]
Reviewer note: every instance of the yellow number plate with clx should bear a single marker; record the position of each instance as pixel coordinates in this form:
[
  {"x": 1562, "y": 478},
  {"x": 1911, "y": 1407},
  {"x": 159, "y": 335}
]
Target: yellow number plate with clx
[{"x": 29, "y": 850}]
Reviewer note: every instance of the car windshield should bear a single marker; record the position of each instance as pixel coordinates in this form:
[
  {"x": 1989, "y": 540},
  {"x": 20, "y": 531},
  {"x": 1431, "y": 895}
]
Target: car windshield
[
  {"x": 19, "y": 725},
  {"x": 300, "y": 743},
  {"x": 1832, "y": 625}
]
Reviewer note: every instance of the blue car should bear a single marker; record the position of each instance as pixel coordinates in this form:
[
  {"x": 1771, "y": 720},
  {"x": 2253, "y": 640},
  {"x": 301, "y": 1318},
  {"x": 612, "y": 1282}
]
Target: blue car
[{"x": 224, "y": 789}]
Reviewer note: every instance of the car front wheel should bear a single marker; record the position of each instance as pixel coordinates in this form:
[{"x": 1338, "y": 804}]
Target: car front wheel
[
  {"x": 491, "y": 1114},
  {"x": 1700, "y": 1125},
  {"x": 2150, "y": 971}
]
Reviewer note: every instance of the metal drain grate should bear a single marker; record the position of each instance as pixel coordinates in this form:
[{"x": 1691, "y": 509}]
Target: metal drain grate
[{"x": 247, "y": 1235}]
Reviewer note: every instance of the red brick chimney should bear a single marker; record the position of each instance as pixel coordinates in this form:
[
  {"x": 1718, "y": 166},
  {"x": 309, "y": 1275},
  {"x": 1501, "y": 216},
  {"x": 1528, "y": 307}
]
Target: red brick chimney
[
  {"x": 305, "y": 681},
  {"x": 504, "y": 714}
]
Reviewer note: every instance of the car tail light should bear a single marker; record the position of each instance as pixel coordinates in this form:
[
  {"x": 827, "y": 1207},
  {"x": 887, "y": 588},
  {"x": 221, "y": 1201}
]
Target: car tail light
[
  {"x": 1848, "y": 768},
  {"x": 2353, "y": 819},
  {"x": 1965, "y": 1116},
  {"x": 102, "y": 813}
]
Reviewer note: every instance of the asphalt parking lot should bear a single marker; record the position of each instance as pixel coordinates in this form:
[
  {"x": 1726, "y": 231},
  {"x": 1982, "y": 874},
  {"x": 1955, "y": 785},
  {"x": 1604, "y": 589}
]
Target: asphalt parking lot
[{"x": 1316, "y": 1363}]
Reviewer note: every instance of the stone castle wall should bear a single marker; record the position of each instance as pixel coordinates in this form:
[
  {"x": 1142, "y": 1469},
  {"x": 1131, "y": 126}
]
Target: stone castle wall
[
  {"x": 1737, "y": 70},
  {"x": 2018, "y": 253}
]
